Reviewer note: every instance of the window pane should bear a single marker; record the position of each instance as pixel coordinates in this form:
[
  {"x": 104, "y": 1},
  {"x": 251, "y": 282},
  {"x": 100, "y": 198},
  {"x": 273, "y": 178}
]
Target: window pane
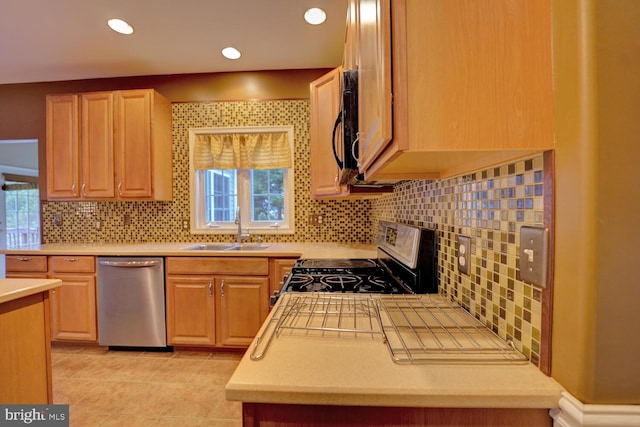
[
  {"x": 221, "y": 195},
  {"x": 267, "y": 195},
  {"x": 22, "y": 208}
]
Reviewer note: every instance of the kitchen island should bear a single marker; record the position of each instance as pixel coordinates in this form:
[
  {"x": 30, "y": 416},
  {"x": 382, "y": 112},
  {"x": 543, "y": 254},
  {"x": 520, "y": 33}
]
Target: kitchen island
[
  {"x": 25, "y": 357},
  {"x": 315, "y": 377}
]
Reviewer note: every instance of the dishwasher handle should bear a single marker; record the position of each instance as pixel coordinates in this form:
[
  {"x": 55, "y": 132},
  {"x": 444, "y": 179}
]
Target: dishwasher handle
[{"x": 129, "y": 264}]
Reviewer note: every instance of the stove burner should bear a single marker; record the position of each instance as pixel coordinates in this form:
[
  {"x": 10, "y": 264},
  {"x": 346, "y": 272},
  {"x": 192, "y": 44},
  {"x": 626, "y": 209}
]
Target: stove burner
[
  {"x": 300, "y": 280},
  {"x": 338, "y": 282},
  {"x": 372, "y": 284},
  {"x": 316, "y": 287}
]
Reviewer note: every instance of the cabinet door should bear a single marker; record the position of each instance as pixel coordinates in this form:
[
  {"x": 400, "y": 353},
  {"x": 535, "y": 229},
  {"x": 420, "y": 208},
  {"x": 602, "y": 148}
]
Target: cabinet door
[
  {"x": 350, "y": 56},
  {"x": 73, "y": 309},
  {"x": 97, "y": 145},
  {"x": 244, "y": 304},
  {"x": 325, "y": 106},
  {"x": 190, "y": 310},
  {"x": 374, "y": 79},
  {"x": 63, "y": 155},
  {"x": 133, "y": 144},
  {"x": 277, "y": 269}
]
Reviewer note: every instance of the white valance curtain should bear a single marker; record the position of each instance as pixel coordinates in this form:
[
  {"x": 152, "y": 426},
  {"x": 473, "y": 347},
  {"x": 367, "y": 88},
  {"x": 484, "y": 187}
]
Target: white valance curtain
[{"x": 267, "y": 150}]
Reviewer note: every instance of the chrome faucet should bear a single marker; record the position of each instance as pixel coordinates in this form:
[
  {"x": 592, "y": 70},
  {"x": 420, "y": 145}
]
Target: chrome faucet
[{"x": 241, "y": 235}]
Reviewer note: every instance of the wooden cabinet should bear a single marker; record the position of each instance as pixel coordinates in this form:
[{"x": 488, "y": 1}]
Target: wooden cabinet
[
  {"x": 244, "y": 304},
  {"x": 278, "y": 267},
  {"x": 325, "y": 106},
  {"x": 26, "y": 266},
  {"x": 350, "y": 56},
  {"x": 25, "y": 356},
  {"x": 190, "y": 310},
  {"x": 73, "y": 304},
  {"x": 216, "y": 301},
  {"x": 109, "y": 146},
  {"x": 471, "y": 84}
]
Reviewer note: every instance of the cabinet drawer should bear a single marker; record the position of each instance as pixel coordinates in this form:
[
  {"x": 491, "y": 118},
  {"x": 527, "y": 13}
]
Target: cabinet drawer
[
  {"x": 73, "y": 264},
  {"x": 26, "y": 263},
  {"x": 248, "y": 266}
]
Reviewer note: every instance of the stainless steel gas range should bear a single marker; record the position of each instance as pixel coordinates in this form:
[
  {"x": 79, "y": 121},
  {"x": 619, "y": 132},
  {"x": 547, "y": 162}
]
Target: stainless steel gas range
[{"x": 406, "y": 263}]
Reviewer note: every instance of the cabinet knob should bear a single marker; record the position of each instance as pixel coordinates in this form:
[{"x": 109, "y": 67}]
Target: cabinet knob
[
  {"x": 222, "y": 288},
  {"x": 82, "y": 190},
  {"x": 24, "y": 259},
  {"x": 71, "y": 259},
  {"x": 210, "y": 288},
  {"x": 120, "y": 188},
  {"x": 73, "y": 189}
]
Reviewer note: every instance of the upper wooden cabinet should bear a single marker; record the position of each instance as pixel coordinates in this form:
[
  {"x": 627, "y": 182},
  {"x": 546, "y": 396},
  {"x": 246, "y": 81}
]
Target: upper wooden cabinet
[
  {"x": 109, "y": 146},
  {"x": 325, "y": 106},
  {"x": 465, "y": 85}
]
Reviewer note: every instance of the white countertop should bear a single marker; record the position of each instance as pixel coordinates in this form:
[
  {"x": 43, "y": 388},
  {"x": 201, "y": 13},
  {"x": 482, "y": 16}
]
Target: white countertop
[
  {"x": 13, "y": 289},
  {"x": 331, "y": 370},
  {"x": 296, "y": 250}
]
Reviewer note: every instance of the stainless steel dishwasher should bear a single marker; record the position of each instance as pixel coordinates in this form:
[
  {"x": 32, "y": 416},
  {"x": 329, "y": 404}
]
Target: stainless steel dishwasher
[{"x": 131, "y": 303}]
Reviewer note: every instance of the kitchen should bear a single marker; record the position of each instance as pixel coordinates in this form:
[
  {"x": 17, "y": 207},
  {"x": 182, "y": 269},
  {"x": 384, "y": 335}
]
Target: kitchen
[{"x": 580, "y": 337}]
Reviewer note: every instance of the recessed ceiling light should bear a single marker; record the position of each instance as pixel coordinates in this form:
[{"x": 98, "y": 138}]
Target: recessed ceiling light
[
  {"x": 315, "y": 16},
  {"x": 120, "y": 26},
  {"x": 231, "y": 53}
]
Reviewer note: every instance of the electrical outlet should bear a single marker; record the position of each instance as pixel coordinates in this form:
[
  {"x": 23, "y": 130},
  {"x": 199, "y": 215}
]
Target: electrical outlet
[
  {"x": 57, "y": 220},
  {"x": 126, "y": 220},
  {"x": 185, "y": 224},
  {"x": 464, "y": 254},
  {"x": 316, "y": 219},
  {"x": 97, "y": 225},
  {"x": 534, "y": 245}
]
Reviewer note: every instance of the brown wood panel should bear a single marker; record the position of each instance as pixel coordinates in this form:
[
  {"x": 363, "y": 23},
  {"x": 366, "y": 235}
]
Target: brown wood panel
[
  {"x": 72, "y": 264},
  {"x": 26, "y": 263},
  {"x": 73, "y": 309},
  {"x": 243, "y": 306},
  {"x": 272, "y": 415},
  {"x": 245, "y": 266},
  {"x": 23, "y": 357},
  {"x": 190, "y": 311}
]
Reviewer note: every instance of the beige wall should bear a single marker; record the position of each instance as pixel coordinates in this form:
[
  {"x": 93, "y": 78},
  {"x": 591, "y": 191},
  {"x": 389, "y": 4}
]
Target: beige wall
[{"x": 596, "y": 329}]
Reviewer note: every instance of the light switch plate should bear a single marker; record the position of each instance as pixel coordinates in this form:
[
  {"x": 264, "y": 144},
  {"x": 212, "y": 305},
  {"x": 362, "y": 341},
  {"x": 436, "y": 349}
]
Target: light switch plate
[
  {"x": 534, "y": 247},
  {"x": 464, "y": 254}
]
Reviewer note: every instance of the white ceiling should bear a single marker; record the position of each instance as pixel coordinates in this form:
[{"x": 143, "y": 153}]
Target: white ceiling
[{"x": 53, "y": 40}]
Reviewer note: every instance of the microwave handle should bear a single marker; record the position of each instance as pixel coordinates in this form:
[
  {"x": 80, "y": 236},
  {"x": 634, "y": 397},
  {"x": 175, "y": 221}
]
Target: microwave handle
[{"x": 333, "y": 141}]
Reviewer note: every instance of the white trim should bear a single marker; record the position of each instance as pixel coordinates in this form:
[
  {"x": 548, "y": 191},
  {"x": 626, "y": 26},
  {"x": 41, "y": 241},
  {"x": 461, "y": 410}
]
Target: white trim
[
  {"x": 196, "y": 191},
  {"x": 573, "y": 413}
]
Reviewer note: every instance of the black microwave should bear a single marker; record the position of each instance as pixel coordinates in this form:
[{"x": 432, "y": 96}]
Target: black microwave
[{"x": 348, "y": 118}]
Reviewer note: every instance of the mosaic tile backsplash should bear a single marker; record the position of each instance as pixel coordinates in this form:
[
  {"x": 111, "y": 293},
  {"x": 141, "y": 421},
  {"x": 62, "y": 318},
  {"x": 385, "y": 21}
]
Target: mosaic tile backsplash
[
  {"x": 489, "y": 206},
  {"x": 140, "y": 222}
]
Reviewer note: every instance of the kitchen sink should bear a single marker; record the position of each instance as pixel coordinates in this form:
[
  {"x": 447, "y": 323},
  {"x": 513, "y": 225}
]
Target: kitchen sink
[
  {"x": 210, "y": 247},
  {"x": 249, "y": 247},
  {"x": 226, "y": 247}
]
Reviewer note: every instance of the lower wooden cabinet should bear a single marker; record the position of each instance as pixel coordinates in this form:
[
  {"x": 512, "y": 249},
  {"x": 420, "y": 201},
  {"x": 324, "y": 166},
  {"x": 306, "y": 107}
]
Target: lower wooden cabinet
[
  {"x": 73, "y": 304},
  {"x": 215, "y": 301},
  {"x": 191, "y": 310},
  {"x": 244, "y": 304},
  {"x": 26, "y": 266},
  {"x": 278, "y": 267}
]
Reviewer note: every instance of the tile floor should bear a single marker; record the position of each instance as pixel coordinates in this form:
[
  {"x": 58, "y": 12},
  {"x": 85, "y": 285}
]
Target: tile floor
[{"x": 115, "y": 388}]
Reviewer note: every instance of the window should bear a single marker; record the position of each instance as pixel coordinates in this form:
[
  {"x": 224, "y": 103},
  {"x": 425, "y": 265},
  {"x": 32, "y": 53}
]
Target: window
[
  {"x": 263, "y": 194},
  {"x": 22, "y": 209}
]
